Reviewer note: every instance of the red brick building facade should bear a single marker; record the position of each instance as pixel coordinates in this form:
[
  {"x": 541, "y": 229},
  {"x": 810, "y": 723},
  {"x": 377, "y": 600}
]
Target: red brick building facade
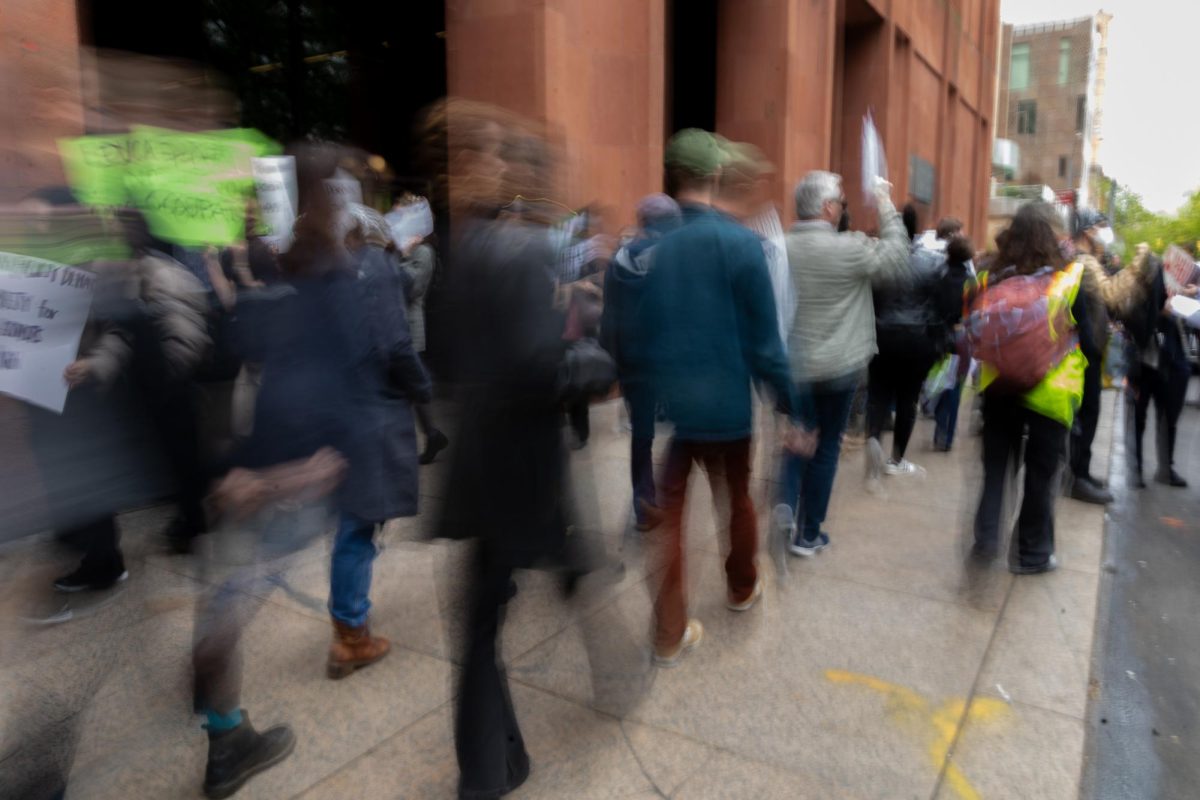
[{"x": 613, "y": 78}]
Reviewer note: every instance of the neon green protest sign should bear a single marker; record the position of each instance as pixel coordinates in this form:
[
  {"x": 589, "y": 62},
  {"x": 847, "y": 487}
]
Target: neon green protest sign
[{"x": 191, "y": 187}]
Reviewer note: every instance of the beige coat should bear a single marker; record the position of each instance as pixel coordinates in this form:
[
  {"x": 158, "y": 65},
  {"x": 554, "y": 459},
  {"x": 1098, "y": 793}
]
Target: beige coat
[
  {"x": 173, "y": 297},
  {"x": 833, "y": 331}
]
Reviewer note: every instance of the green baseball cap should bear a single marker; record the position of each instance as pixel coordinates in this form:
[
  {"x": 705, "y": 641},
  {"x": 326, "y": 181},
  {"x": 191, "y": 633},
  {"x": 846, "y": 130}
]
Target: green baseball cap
[{"x": 696, "y": 151}]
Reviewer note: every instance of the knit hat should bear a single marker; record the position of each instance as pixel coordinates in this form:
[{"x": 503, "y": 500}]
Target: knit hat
[{"x": 694, "y": 151}]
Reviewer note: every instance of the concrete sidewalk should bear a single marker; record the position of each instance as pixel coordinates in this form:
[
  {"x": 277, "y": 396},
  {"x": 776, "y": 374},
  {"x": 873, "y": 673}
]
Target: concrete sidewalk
[{"x": 882, "y": 668}]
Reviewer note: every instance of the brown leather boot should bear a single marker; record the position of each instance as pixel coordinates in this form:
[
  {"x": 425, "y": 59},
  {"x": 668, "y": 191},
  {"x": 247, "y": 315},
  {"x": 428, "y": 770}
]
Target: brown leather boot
[{"x": 353, "y": 648}]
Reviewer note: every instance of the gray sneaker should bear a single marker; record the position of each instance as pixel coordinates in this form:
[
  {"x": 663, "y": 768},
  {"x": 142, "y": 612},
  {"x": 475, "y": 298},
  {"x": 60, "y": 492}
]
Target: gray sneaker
[{"x": 875, "y": 460}]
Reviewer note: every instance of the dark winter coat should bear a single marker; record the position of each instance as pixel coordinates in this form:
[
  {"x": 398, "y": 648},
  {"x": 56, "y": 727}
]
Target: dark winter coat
[{"x": 507, "y": 474}]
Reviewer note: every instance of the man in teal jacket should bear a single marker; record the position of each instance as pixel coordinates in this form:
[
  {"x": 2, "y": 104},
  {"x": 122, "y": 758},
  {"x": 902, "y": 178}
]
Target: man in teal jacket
[{"x": 708, "y": 319}]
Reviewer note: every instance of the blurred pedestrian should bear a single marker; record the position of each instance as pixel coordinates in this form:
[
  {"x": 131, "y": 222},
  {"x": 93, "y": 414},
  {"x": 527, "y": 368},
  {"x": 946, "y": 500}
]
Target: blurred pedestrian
[
  {"x": 956, "y": 290},
  {"x": 832, "y": 339},
  {"x": 624, "y": 288},
  {"x": 709, "y": 317},
  {"x": 413, "y": 222},
  {"x": 1158, "y": 371},
  {"x": 507, "y": 483},
  {"x": 1116, "y": 295},
  {"x": 1023, "y": 327},
  {"x": 911, "y": 336}
]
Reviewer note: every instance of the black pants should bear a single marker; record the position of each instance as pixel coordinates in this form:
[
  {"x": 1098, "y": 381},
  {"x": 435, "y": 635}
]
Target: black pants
[
  {"x": 1167, "y": 387},
  {"x": 1086, "y": 419},
  {"x": 102, "y": 559},
  {"x": 175, "y": 420},
  {"x": 1005, "y": 423},
  {"x": 578, "y": 413},
  {"x": 487, "y": 739},
  {"x": 895, "y": 379}
]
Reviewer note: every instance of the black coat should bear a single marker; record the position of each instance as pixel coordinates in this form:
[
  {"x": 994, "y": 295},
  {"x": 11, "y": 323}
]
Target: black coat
[
  {"x": 507, "y": 475},
  {"x": 338, "y": 371}
]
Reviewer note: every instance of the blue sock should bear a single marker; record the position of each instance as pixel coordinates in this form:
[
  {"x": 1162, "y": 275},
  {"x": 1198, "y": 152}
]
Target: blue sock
[{"x": 218, "y": 722}]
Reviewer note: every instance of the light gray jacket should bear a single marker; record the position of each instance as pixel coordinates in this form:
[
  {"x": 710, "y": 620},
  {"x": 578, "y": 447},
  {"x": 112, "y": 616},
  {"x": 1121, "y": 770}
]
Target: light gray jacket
[{"x": 833, "y": 332}]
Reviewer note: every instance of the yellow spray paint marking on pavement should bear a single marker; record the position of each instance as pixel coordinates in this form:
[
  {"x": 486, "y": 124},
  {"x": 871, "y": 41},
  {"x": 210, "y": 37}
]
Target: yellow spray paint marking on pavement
[{"x": 910, "y": 709}]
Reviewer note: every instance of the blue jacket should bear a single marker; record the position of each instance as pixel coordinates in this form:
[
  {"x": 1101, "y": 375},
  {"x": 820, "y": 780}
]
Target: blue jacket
[
  {"x": 709, "y": 323},
  {"x": 624, "y": 285}
]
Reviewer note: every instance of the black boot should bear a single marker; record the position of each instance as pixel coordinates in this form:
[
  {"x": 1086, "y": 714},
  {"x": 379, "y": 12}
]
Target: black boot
[
  {"x": 1087, "y": 490},
  {"x": 1171, "y": 478},
  {"x": 435, "y": 443},
  {"x": 237, "y": 755}
]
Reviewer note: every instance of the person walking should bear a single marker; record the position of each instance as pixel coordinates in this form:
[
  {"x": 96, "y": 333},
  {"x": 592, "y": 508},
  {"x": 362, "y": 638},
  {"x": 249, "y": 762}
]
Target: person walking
[
  {"x": 1031, "y": 424},
  {"x": 506, "y": 488},
  {"x": 624, "y": 286},
  {"x": 1159, "y": 371},
  {"x": 832, "y": 339},
  {"x": 710, "y": 320},
  {"x": 1107, "y": 295},
  {"x": 382, "y": 482},
  {"x": 911, "y": 336},
  {"x": 418, "y": 261},
  {"x": 956, "y": 290}
]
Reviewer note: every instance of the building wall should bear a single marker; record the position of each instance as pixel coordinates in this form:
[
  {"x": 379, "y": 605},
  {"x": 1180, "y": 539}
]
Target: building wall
[
  {"x": 796, "y": 77},
  {"x": 40, "y": 83},
  {"x": 591, "y": 69},
  {"x": 1057, "y": 133}
]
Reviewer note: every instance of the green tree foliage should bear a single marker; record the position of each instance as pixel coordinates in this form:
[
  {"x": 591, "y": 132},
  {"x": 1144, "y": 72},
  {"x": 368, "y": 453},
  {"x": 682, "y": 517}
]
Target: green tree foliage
[{"x": 1134, "y": 223}]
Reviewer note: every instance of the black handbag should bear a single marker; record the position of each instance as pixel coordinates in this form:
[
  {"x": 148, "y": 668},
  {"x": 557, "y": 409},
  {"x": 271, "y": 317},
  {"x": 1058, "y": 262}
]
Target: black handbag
[{"x": 587, "y": 370}]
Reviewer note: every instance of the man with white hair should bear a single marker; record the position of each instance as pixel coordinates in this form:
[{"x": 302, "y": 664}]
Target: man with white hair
[{"x": 832, "y": 338}]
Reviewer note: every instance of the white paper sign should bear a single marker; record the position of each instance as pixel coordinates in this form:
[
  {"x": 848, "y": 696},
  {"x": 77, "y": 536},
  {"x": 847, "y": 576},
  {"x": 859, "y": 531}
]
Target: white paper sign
[
  {"x": 1186, "y": 308},
  {"x": 43, "y": 307},
  {"x": 874, "y": 162},
  {"x": 275, "y": 183}
]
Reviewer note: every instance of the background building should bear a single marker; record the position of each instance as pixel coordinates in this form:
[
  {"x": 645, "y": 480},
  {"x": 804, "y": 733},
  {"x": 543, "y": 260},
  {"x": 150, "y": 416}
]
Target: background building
[
  {"x": 613, "y": 78},
  {"x": 1050, "y": 102}
]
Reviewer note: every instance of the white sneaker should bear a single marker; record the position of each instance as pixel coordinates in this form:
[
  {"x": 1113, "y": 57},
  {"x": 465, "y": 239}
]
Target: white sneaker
[
  {"x": 692, "y": 635},
  {"x": 875, "y": 460},
  {"x": 747, "y": 604},
  {"x": 904, "y": 467}
]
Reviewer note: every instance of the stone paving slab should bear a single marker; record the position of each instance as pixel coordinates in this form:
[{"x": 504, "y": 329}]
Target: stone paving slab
[{"x": 883, "y": 668}]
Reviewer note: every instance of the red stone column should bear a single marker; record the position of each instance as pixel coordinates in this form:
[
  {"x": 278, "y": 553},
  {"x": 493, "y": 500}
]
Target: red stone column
[
  {"x": 40, "y": 84},
  {"x": 775, "y": 84},
  {"x": 591, "y": 69}
]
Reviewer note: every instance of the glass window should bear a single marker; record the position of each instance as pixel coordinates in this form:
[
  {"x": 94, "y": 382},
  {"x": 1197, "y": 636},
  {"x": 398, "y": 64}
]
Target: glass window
[
  {"x": 1027, "y": 116},
  {"x": 1062, "y": 166},
  {"x": 1064, "y": 61},
  {"x": 1018, "y": 75},
  {"x": 1081, "y": 113}
]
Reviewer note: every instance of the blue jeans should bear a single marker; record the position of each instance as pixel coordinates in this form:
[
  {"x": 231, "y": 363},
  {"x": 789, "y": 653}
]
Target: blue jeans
[
  {"x": 354, "y": 553},
  {"x": 946, "y": 414},
  {"x": 807, "y": 483}
]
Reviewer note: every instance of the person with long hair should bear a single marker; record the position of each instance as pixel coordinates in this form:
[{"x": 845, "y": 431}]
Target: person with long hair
[{"x": 1039, "y": 418}]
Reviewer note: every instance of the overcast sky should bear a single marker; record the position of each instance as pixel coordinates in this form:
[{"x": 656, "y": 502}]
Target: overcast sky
[{"x": 1151, "y": 108}]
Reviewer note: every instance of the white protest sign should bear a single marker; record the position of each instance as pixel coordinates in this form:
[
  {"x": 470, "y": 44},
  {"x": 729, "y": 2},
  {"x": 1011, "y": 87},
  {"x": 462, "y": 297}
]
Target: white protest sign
[
  {"x": 874, "y": 162},
  {"x": 343, "y": 190},
  {"x": 43, "y": 307},
  {"x": 275, "y": 183}
]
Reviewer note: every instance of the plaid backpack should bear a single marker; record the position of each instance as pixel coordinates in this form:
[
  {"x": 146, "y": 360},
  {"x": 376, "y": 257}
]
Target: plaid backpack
[{"x": 1021, "y": 326}]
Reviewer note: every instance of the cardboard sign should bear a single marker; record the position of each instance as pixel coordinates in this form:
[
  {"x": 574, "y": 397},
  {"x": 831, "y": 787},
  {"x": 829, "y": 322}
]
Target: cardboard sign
[
  {"x": 43, "y": 307},
  {"x": 1178, "y": 268}
]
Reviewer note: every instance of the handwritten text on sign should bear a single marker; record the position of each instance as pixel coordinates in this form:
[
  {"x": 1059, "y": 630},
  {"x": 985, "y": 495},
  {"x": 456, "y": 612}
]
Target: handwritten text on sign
[{"x": 43, "y": 307}]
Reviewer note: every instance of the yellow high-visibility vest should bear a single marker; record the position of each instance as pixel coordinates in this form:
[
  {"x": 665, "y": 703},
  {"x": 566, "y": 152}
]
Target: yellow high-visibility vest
[{"x": 1060, "y": 393}]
